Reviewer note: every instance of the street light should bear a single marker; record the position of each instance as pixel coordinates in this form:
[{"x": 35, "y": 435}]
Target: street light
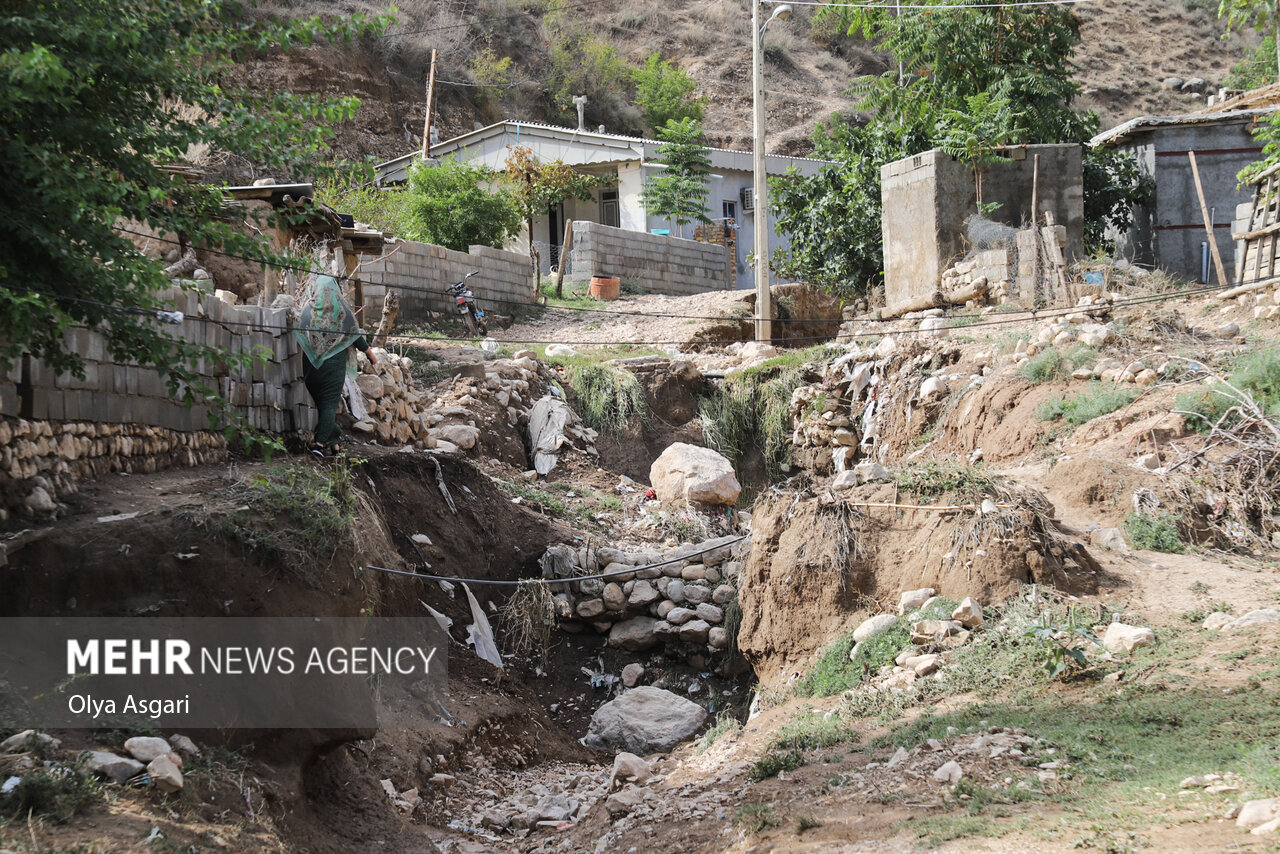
[{"x": 760, "y": 192}]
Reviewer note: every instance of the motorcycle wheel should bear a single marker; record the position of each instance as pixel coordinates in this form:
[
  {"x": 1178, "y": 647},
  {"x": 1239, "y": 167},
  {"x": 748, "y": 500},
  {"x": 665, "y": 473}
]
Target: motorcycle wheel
[{"x": 471, "y": 324}]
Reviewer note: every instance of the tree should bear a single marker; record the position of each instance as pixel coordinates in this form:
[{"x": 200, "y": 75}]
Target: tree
[
  {"x": 1263, "y": 15},
  {"x": 664, "y": 92},
  {"x": 451, "y": 205},
  {"x": 1113, "y": 183},
  {"x": 833, "y": 217},
  {"x": 537, "y": 187},
  {"x": 679, "y": 192},
  {"x": 949, "y": 55},
  {"x": 976, "y": 132},
  {"x": 97, "y": 98}
]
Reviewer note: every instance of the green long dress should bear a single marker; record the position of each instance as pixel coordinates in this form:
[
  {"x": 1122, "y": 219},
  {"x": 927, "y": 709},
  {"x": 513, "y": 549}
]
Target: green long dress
[{"x": 326, "y": 330}]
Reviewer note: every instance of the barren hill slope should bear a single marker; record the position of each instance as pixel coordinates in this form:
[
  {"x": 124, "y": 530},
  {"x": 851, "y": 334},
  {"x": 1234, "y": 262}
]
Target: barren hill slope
[{"x": 1129, "y": 47}]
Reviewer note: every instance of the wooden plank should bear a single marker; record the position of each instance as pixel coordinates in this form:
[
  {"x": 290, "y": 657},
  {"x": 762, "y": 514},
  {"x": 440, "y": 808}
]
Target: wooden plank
[{"x": 1208, "y": 223}]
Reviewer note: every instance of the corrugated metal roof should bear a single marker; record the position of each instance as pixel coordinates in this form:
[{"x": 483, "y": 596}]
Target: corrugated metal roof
[
  {"x": 1124, "y": 132},
  {"x": 609, "y": 140}
]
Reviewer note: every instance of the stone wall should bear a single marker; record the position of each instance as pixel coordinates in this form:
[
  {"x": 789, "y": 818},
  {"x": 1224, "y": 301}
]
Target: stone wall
[
  {"x": 56, "y": 428},
  {"x": 420, "y": 272},
  {"x": 680, "y": 604},
  {"x": 656, "y": 263}
]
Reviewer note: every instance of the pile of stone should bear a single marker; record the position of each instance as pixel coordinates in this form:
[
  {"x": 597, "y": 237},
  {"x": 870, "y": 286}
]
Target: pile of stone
[
  {"x": 401, "y": 413},
  {"x": 150, "y": 760},
  {"x": 1263, "y": 302},
  {"x": 678, "y": 604},
  {"x": 41, "y": 462},
  {"x": 985, "y": 277}
]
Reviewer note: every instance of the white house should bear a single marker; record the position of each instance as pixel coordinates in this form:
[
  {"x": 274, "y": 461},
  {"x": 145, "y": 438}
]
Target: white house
[{"x": 632, "y": 160}]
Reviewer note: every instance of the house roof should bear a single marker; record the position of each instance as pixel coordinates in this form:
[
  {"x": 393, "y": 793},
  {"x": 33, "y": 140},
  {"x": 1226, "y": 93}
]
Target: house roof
[
  {"x": 1266, "y": 96},
  {"x": 1123, "y": 133},
  {"x": 578, "y": 148}
]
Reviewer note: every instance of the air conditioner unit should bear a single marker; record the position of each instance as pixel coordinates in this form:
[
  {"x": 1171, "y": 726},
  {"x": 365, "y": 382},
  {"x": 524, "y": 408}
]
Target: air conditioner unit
[{"x": 748, "y": 195}]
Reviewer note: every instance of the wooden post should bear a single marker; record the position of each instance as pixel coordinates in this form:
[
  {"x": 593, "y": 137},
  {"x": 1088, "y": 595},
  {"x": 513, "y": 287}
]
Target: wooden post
[
  {"x": 564, "y": 256},
  {"x": 1035, "y": 191},
  {"x": 1208, "y": 221},
  {"x": 431, "y": 95},
  {"x": 1037, "y": 285}
]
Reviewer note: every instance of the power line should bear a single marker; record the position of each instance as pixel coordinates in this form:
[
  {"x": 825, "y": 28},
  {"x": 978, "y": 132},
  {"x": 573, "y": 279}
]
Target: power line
[
  {"x": 504, "y": 582},
  {"x": 1037, "y": 316},
  {"x": 586, "y": 309},
  {"x": 509, "y": 15}
]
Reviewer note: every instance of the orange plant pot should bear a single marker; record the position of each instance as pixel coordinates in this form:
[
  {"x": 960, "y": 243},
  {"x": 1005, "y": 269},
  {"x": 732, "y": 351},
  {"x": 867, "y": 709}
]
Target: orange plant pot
[{"x": 605, "y": 287}]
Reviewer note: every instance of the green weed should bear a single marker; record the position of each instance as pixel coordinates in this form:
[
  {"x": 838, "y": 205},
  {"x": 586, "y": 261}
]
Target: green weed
[
  {"x": 540, "y": 498},
  {"x": 806, "y": 822},
  {"x": 726, "y": 724},
  {"x": 294, "y": 514},
  {"x": 753, "y": 410},
  {"x": 812, "y": 730},
  {"x": 1157, "y": 532},
  {"x": 754, "y": 818},
  {"x": 1256, "y": 372},
  {"x": 934, "y": 478},
  {"x": 55, "y": 791},
  {"x": 1084, "y": 406},
  {"x": 774, "y": 763},
  {"x": 609, "y": 398},
  {"x": 1044, "y": 367}
]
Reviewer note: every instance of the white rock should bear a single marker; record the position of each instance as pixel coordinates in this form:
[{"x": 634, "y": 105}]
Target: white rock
[
  {"x": 845, "y": 480},
  {"x": 634, "y": 635},
  {"x": 113, "y": 767},
  {"x": 644, "y": 720},
  {"x": 1216, "y": 621},
  {"x": 1253, "y": 618},
  {"x": 874, "y": 626},
  {"x": 165, "y": 774},
  {"x": 1255, "y": 813},
  {"x": 371, "y": 386},
  {"x": 1124, "y": 638},
  {"x": 869, "y": 471},
  {"x": 968, "y": 613},
  {"x": 27, "y": 740},
  {"x": 932, "y": 387},
  {"x": 144, "y": 748},
  {"x": 556, "y": 351},
  {"x": 933, "y": 328},
  {"x": 688, "y": 472},
  {"x": 911, "y": 600},
  {"x": 949, "y": 773},
  {"x": 629, "y": 768},
  {"x": 1111, "y": 539},
  {"x": 923, "y": 665},
  {"x": 462, "y": 435},
  {"x": 632, "y": 674}
]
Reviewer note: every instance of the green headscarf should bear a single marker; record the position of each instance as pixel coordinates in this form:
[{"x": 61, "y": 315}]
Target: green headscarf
[{"x": 327, "y": 326}]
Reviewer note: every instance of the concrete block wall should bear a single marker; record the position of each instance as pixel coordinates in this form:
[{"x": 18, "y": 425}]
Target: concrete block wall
[
  {"x": 657, "y": 263},
  {"x": 56, "y": 428},
  {"x": 420, "y": 272},
  {"x": 928, "y": 197}
]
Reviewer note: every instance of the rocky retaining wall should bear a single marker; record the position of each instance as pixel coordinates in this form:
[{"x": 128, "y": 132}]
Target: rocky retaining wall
[
  {"x": 681, "y": 603},
  {"x": 42, "y": 461}
]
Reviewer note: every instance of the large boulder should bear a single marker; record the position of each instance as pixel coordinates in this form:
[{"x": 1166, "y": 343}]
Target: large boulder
[
  {"x": 688, "y": 472},
  {"x": 634, "y": 635},
  {"x": 644, "y": 720}
]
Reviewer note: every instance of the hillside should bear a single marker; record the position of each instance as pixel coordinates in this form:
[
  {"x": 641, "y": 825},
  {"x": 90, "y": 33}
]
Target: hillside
[{"x": 1129, "y": 47}]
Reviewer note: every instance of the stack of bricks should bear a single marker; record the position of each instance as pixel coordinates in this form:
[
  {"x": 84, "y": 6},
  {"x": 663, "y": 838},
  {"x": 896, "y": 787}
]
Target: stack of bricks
[
  {"x": 122, "y": 416},
  {"x": 420, "y": 272}
]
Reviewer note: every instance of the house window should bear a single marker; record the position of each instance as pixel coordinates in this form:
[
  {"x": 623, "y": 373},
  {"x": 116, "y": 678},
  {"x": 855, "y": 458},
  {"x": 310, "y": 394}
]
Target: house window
[
  {"x": 609, "y": 208},
  {"x": 729, "y": 210}
]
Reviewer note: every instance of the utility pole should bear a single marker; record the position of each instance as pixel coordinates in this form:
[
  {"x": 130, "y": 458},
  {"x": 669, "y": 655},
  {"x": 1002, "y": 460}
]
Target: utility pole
[{"x": 431, "y": 95}]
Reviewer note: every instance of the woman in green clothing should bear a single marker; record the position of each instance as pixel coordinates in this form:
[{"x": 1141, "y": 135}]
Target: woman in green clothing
[{"x": 327, "y": 331}]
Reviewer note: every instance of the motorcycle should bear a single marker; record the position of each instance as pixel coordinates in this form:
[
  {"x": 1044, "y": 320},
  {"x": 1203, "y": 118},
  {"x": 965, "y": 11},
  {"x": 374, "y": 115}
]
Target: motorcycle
[{"x": 465, "y": 301}]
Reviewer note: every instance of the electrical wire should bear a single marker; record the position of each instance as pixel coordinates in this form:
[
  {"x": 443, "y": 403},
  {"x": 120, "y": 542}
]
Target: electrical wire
[
  {"x": 891, "y": 6},
  {"x": 1037, "y": 316},
  {"x": 503, "y": 582},
  {"x": 586, "y": 309}
]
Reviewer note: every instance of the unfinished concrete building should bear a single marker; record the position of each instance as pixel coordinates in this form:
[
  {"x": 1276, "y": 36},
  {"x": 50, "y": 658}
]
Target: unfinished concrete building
[{"x": 928, "y": 199}]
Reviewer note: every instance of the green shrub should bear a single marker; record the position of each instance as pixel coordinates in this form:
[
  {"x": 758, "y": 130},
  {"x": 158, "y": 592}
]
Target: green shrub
[
  {"x": 934, "y": 478},
  {"x": 753, "y": 410},
  {"x": 609, "y": 398},
  {"x": 1045, "y": 367},
  {"x": 54, "y": 791},
  {"x": 451, "y": 205},
  {"x": 1257, "y": 373},
  {"x": 353, "y": 193},
  {"x": 774, "y": 763},
  {"x": 812, "y": 730},
  {"x": 1157, "y": 532},
  {"x": 754, "y": 818},
  {"x": 1083, "y": 407},
  {"x": 726, "y": 724},
  {"x": 295, "y": 514}
]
